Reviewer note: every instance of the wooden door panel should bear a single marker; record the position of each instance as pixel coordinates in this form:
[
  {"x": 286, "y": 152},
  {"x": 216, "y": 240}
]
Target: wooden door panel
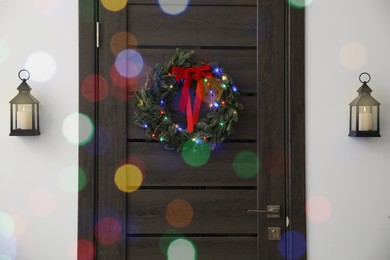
[
  {"x": 170, "y": 170},
  {"x": 213, "y": 248},
  {"x": 195, "y": 211},
  {"x": 224, "y": 32},
  {"x": 244, "y": 129},
  {"x": 200, "y": 25}
]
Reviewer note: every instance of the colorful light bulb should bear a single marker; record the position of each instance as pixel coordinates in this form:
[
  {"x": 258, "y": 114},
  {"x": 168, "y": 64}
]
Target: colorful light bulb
[{"x": 179, "y": 128}]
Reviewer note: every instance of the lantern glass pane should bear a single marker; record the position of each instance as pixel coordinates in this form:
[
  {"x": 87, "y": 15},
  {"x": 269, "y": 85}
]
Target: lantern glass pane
[
  {"x": 36, "y": 117},
  {"x": 13, "y": 111},
  {"x": 353, "y": 118},
  {"x": 375, "y": 118},
  {"x": 24, "y": 116}
]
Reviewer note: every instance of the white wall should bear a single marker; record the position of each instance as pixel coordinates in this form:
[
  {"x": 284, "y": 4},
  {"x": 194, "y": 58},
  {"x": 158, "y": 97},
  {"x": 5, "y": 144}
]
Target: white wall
[
  {"x": 38, "y": 175},
  {"x": 348, "y": 179}
]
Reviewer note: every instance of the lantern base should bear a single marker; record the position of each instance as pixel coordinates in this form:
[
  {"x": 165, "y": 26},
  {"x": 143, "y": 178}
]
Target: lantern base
[
  {"x": 24, "y": 132},
  {"x": 364, "y": 134}
]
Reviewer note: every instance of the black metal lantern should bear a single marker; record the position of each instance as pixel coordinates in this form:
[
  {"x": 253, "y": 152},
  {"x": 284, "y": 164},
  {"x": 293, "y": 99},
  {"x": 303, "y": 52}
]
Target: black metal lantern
[
  {"x": 24, "y": 110},
  {"x": 364, "y": 112}
]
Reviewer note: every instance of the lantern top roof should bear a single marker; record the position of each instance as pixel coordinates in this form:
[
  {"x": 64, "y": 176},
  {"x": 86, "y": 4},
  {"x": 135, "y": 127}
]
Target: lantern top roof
[
  {"x": 24, "y": 96},
  {"x": 364, "y": 89},
  {"x": 364, "y": 98},
  {"x": 24, "y": 87}
]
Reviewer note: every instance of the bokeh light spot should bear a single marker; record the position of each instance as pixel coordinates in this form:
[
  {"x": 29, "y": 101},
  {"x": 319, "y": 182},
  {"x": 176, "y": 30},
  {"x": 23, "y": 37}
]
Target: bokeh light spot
[
  {"x": 85, "y": 250},
  {"x": 4, "y": 51},
  {"x": 136, "y": 161},
  {"x": 122, "y": 87},
  {"x": 318, "y": 208},
  {"x": 300, "y": 3},
  {"x": 129, "y": 63},
  {"x": 41, "y": 66},
  {"x": 128, "y": 178},
  {"x": 120, "y": 93},
  {"x": 47, "y": 7},
  {"x": 8, "y": 247},
  {"x": 298, "y": 248},
  {"x": 167, "y": 238},
  {"x": 41, "y": 203},
  {"x": 179, "y": 213},
  {"x": 108, "y": 230},
  {"x": 120, "y": 81},
  {"x": 20, "y": 220},
  {"x": 181, "y": 249},
  {"x": 196, "y": 153},
  {"x": 7, "y": 225},
  {"x": 94, "y": 88},
  {"x": 82, "y": 179},
  {"x": 114, "y": 5},
  {"x": 352, "y": 55},
  {"x": 121, "y": 41},
  {"x": 2, "y": 256},
  {"x": 68, "y": 179},
  {"x": 173, "y": 7},
  {"x": 78, "y": 129},
  {"x": 246, "y": 164}
]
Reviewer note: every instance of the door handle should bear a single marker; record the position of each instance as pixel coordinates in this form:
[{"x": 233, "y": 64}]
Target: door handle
[{"x": 272, "y": 211}]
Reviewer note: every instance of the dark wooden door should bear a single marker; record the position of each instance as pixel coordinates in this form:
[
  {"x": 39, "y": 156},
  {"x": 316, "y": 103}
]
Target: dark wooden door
[{"x": 180, "y": 211}]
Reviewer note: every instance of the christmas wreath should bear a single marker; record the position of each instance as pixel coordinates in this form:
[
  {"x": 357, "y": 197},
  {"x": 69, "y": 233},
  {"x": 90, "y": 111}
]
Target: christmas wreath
[{"x": 176, "y": 85}]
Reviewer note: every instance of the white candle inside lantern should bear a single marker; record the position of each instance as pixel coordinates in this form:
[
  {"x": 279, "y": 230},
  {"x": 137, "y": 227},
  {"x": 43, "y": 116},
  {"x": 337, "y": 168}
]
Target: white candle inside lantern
[
  {"x": 24, "y": 117},
  {"x": 365, "y": 120}
]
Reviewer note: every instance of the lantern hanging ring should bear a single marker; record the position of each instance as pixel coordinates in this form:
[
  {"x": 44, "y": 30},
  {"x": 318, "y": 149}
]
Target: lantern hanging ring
[
  {"x": 24, "y": 70},
  {"x": 364, "y": 73}
]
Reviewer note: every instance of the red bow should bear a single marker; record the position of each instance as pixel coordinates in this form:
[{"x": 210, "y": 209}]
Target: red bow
[{"x": 188, "y": 74}]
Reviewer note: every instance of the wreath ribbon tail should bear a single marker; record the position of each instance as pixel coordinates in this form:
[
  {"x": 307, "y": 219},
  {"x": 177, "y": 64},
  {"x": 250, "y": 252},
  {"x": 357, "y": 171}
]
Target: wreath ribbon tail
[
  {"x": 190, "y": 119},
  {"x": 185, "y": 95}
]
